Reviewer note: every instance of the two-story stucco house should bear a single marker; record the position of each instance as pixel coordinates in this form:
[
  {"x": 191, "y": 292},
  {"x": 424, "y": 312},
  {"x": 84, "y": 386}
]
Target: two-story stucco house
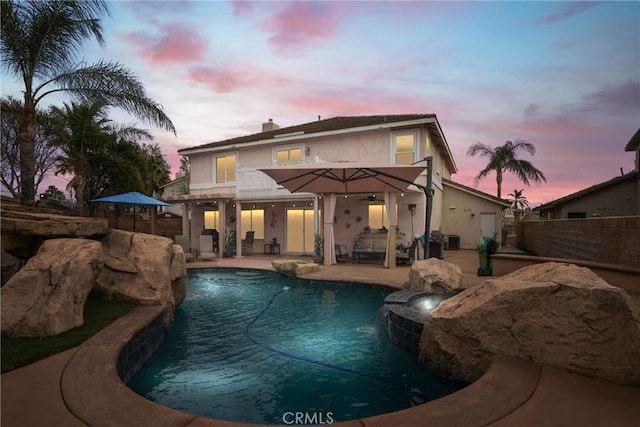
[{"x": 228, "y": 192}]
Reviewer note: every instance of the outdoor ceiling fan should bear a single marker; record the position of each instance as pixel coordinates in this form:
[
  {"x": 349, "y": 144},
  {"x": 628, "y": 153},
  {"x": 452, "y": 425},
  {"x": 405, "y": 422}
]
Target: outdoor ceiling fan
[{"x": 372, "y": 200}]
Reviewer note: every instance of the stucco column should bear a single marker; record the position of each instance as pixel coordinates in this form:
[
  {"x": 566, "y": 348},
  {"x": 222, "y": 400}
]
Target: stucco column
[
  {"x": 222, "y": 232},
  {"x": 238, "y": 229},
  {"x": 390, "y": 206},
  {"x": 185, "y": 220},
  {"x": 328, "y": 231}
]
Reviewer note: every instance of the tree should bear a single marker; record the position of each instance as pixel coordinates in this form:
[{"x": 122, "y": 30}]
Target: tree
[
  {"x": 185, "y": 170},
  {"x": 45, "y": 152},
  {"x": 155, "y": 168},
  {"x": 40, "y": 41},
  {"x": 504, "y": 159},
  {"x": 518, "y": 201},
  {"x": 52, "y": 193},
  {"x": 185, "y": 165},
  {"x": 86, "y": 139}
]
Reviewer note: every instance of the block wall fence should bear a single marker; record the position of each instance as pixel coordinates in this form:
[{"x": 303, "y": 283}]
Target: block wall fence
[{"x": 614, "y": 240}]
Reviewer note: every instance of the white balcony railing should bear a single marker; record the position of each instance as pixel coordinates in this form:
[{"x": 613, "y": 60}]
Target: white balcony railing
[{"x": 251, "y": 179}]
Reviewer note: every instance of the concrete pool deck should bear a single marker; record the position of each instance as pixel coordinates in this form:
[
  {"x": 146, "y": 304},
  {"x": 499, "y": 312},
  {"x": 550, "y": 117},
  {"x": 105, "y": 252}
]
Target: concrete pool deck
[{"x": 80, "y": 387}]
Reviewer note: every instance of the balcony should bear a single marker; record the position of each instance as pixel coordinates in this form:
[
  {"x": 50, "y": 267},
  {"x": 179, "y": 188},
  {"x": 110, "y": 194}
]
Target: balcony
[{"x": 251, "y": 179}]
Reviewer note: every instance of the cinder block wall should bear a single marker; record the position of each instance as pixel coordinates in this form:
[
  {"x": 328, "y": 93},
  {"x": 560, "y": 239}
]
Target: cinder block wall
[{"x": 614, "y": 240}]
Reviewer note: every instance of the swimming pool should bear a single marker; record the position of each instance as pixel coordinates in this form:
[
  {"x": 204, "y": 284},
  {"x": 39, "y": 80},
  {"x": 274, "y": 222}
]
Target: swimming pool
[{"x": 244, "y": 348}]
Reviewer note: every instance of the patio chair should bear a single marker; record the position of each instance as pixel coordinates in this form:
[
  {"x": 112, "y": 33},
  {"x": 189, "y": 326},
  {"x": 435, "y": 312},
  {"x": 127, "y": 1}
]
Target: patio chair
[
  {"x": 342, "y": 253},
  {"x": 406, "y": 255},
  {"x": 247, "y": 243},
  {"x": 184, "y": 242},
  {"x": 206, "y": 247}
]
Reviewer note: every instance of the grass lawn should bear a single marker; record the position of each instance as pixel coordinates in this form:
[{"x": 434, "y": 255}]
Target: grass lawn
[{"x": 17, "y": 352}]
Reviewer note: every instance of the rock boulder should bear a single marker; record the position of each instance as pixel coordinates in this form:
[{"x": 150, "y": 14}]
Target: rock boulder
[
  {"x": 22, "y": 232},
  {"x": 178, "y": 275},
  {"x": 47, "y": 296},
  {"x": 551, "y": 313},
  {"x": 294, "y": 268},
  {"x": 435, "y": 276},
  {"x": 144, "y": 269}
]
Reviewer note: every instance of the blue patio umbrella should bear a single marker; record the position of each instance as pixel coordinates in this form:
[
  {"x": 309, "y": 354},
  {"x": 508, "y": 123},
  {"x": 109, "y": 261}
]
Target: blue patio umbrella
[{"x": 132, "y": 199}]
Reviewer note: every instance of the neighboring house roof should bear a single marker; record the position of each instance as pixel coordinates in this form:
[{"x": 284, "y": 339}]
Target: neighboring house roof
[
  {"x": 634, "y": 142},
  {"x": 476, "y": 192},
  {"x": 618, "y": 179},
  {"x": 338, "y": 124},
  {"x": 175, "y": 181}
]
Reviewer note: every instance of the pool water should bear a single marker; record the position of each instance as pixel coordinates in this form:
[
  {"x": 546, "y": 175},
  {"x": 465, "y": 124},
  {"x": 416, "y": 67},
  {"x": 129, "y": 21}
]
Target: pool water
[{"x": 318, "y": 352}]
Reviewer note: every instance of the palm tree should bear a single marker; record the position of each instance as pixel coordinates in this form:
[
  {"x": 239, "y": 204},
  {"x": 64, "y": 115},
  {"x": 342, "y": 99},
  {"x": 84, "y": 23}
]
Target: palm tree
[
  {"x": 518, "y": 201},
  {"x": 85, "y": 140},
  {"x": 39, "y": 44},
  {"x": 504, "y": 159}
]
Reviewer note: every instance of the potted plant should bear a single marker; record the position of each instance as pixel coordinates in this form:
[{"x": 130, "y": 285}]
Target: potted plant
[
  {"x": 486, "y": 248},
  {"x": 318, "y": 248},
  {"x": 228, "y": 244}
]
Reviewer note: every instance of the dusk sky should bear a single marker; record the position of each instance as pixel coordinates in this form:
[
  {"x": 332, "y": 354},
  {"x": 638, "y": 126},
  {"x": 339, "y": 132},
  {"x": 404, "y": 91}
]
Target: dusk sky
[{"x": 564, "y": 76}]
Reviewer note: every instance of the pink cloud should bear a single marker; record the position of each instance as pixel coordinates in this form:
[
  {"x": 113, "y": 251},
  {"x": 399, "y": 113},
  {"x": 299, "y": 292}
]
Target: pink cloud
[
  {"x": 175, "y": 45},
  {"x": 233, "y": 78},
  {"x": 566, "y": 13},
  {"x": 220, "y": 80},
  {"x": 301, "y": 23}
]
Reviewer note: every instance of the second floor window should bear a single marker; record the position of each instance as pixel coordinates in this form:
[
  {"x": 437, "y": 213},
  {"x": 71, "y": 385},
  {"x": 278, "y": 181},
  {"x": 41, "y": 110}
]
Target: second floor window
[
  {"x": 427, "y": 145},
  {"x": 225, "y": 169},
  {"x": 404, "y": 147},
  {"x": 288, "y": 154}
]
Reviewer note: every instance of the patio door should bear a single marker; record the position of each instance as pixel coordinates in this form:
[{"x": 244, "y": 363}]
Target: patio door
[
  {"x": 487, "y": 224},
  {"x": 299, "y": 231}
]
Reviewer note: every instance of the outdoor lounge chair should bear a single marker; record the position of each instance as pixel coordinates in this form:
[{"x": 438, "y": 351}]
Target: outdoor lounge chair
[
  {"x": 184, "y": 242},
  {"x": 247, "y": 243},
  {"x": 206, "y": 247},
  {"x": 407, "y": 254},
  {"x": 342, "y": 253}
]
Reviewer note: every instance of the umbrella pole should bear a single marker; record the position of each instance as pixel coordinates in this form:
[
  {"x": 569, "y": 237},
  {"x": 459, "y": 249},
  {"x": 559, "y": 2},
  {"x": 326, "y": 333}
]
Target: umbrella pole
[
  {"x": 134, "y": 218},
  {"x": 428, "y": 192}
]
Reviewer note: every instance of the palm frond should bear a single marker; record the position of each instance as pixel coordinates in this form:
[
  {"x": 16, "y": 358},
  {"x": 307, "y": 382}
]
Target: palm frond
[
  {"x": 483, "y": 174},
  {"x": 525, "y": 171},
  {"x": 523, "y": 145},
  {"x": 480, "y": 148},
  {"x": 115, "y": 85},
  {"x": 39, "y": 37}
]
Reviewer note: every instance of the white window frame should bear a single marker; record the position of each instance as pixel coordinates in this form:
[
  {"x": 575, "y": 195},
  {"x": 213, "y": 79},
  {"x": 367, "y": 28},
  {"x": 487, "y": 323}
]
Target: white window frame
[
  {"x": 249, "y": 224},
  {"x": 416, "y": 143},
  {"x": 214, "y": 166},
  {"x": 275, "y": 151}
]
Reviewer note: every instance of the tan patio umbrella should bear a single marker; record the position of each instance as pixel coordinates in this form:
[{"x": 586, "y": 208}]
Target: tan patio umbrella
[{"x": 344, "y": 178}]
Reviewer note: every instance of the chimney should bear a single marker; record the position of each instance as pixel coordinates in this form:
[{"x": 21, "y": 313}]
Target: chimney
[{"x": 269, "y": 126}]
